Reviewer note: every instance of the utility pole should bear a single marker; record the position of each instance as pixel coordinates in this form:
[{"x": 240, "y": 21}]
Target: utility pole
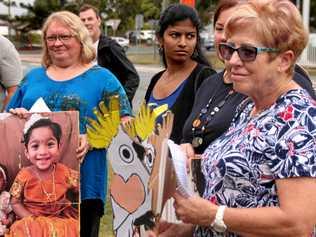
[
  {"x": 305, "y": 15},
  {"x": 306, "y": 12},
  {"x": 164, "y": 4},
  {"x": 9, "y": 19}
]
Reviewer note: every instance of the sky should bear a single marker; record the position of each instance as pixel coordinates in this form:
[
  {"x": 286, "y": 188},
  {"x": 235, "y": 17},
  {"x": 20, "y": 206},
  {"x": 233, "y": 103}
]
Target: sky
[{"x": 15, "y": 10}]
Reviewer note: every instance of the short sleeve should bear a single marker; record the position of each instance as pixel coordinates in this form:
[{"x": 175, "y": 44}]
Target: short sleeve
[
  {"x": 10, "y": 65},
  {"x": 17, "y": 187},
  {"x": 73, "y": 179},
  {"x": 294, "y": 152},
  {"x": 114, "y": 87},
  {"x": 16, "y": 99}
]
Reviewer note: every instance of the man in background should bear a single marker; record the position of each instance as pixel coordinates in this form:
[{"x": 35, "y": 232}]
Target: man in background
[
  {"x": 109, "y": 53},
  {"x": 10, "y": 71}
]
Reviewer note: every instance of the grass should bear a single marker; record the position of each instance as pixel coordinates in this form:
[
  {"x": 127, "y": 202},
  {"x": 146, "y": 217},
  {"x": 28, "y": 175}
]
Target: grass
[
  {"x": 106, "y": 221},
  {"x": 106, "y": 229}
]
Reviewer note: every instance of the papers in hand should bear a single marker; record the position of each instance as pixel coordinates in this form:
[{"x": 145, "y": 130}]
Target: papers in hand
[{"x": 179, "y": 158}]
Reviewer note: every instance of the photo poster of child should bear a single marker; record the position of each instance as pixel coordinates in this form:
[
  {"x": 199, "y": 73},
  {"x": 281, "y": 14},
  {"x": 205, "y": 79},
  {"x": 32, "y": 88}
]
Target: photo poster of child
[{"x": 41, "y": 172}]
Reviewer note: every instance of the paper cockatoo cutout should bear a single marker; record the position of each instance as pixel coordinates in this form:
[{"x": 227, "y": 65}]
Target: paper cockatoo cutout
[{"x": 132, "y": 150}]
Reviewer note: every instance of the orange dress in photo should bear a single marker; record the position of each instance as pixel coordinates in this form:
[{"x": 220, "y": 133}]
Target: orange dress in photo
[{"x": 53, "y": 213}]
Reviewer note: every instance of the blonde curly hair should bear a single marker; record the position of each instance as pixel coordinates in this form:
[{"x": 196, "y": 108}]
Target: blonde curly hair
[{"x": 77, "y": 29}]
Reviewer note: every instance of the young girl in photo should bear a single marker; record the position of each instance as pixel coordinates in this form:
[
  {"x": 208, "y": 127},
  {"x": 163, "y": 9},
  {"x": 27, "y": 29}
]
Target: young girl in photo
[{"x": 38, "y": 194}]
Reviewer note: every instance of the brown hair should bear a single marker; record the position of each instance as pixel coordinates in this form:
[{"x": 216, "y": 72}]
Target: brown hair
[
  {"x": 77, "y": 28},
  {"x": 86, "y": 7},
  {"x": 277, "y": 23},
  {"x": 222, "y": 6}
]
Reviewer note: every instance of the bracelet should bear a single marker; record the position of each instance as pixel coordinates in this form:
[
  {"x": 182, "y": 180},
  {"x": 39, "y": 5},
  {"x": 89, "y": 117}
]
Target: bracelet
[{"x": 218, "y": 223}]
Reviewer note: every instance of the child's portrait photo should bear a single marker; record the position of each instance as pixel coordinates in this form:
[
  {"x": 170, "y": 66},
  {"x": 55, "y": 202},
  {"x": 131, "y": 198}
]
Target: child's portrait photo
[{"x": 39, "y": 175}]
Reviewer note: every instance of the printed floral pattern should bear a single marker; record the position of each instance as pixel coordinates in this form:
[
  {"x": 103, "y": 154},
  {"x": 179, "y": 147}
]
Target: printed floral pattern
[{"x": 242, "y": 165}]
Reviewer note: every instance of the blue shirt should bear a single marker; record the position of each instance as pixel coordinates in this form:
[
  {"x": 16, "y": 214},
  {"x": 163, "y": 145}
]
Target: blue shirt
[
  {"x": 81, "y": 93},
  {"x": 169, "y": 100}
]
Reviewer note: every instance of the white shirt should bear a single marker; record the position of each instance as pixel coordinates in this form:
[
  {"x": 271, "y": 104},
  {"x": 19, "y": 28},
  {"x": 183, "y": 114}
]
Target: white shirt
[{"x": 95, "y": 44}]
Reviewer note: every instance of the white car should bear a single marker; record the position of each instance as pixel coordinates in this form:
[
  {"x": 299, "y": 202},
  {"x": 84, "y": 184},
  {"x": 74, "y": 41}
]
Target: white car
[{"x": 122, "y": 41}]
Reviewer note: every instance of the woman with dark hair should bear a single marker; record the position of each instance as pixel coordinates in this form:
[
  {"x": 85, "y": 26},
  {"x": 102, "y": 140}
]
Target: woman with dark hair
[{"x": 186, "y": 67}]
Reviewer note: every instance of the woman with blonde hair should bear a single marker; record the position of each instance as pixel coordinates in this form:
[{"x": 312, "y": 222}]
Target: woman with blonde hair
[
  {"x": 260, "y": 174},
  {"x": 68, "y": 80}
]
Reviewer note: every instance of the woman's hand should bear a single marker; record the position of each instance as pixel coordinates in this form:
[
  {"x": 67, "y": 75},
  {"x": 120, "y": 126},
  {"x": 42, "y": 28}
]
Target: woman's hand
[
  {"x": 189, "y": 152},
  {"x": 20, "y": 112},
  {"x": 83, "y": 147},
  {"x": 194, "y": 210},
  {"x": 166, "y": 229},
  {"x": 125, "y": 119}
]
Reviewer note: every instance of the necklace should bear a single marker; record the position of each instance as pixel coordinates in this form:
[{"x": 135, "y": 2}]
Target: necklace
[
  {"x": 51, "y": 196},
  {"x": 205, "y": 116}
]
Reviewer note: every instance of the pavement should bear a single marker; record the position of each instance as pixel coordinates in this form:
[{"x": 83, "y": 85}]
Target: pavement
[{"x": 34, "y": 57}]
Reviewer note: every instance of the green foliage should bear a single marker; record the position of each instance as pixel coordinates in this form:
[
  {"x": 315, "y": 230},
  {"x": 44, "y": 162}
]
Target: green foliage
[
  {"x": 34, "y": 38},
  {"x": 126, "y": 10}
]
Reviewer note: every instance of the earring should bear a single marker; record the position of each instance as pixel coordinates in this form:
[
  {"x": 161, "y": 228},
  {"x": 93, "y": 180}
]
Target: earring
[
  {"x": 160, "y": 49},
  {"x": 195, "y": 54},
  {"x": 20, "y": 161}
]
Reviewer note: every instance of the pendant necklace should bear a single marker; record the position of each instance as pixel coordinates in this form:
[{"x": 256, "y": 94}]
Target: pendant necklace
[
  {"x": 205, "y": 116},
  {"x": 51, "y": 196}
]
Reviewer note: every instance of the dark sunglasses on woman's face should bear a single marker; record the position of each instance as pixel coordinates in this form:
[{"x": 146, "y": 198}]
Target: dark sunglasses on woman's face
[{"x": 246, "y": 53}]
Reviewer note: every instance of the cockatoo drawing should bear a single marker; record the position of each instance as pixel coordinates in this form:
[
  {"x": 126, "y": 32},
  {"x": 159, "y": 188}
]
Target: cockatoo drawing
[{"x": 132, "y": 154}]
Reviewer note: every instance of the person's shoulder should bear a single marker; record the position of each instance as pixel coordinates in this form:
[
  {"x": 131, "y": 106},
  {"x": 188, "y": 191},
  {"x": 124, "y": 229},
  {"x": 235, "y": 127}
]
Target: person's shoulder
[
  {"x": 24, "y": 173},
  {"x": 60, "y": 167},
  {"x": 214, "y": 79},
  {"x": 299, "y": 96},
  {"x": 66, "y": 171},
  {"x": 5, "y": 41},
  {"x": 97, "y": 71},
  {"x": 296, "y": 102},
  {"x": 100, "y": 76},
  {"x": 107, "y": 42},
  {"x": 35, "y": 70},
  {"x": 205, "y": 68},
  {"x": 157, "y": 76},
  {"x": 35, "y": 73},
  {"x": 7, "y": 48}
]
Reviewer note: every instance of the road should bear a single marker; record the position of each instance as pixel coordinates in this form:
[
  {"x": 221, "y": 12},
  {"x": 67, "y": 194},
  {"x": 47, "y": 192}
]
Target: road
[{"x": 145, "y": 73}]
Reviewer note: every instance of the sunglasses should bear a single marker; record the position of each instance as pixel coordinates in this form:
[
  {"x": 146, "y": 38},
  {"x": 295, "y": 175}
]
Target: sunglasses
[{"x": 246, "y": 53}]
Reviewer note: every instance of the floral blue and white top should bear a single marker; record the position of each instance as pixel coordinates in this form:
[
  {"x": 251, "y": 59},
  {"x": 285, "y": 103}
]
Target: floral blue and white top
[{"x": 241, "y": 166}]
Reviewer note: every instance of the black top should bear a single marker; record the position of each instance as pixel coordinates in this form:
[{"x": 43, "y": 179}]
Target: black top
[
  {"x": 215, "y": 87},
  {"x": 112, "y": 56},
  {"x": 183, "y": 104}
]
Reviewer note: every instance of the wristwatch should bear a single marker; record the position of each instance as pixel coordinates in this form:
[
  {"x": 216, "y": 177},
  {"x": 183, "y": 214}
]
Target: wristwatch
[{"x": 218, "y": 223}]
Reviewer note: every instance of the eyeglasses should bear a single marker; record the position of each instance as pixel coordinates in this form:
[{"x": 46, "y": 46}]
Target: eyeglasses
[
  {"x": 246, "y": 53},
  {"x": 62, "y": 38}
]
